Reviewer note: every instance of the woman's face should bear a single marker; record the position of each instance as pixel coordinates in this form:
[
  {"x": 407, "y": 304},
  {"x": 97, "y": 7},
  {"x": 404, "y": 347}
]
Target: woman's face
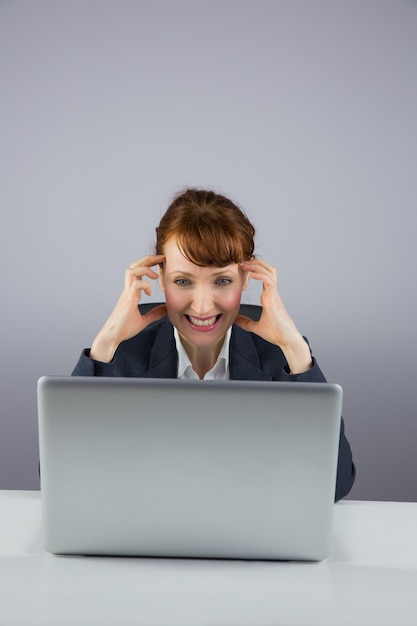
[{"x": 202, "y": 302}]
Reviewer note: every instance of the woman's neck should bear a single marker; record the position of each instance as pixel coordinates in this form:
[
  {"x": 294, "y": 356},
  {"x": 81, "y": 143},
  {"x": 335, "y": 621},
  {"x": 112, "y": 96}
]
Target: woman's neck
[{"x": 202, "y": 358}]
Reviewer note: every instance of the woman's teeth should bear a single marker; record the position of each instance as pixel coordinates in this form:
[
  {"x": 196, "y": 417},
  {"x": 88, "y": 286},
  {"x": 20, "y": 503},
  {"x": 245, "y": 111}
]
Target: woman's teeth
[{"x": 206, "y": 322}]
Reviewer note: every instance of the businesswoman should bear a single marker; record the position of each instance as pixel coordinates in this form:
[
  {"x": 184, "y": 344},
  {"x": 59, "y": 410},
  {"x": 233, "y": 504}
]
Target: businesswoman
[{"x": 204, "y": 257}]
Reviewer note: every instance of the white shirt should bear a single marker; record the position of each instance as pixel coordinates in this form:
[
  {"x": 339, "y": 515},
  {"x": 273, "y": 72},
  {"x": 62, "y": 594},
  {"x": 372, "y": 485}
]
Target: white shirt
[{"x": 219, "y": 371}]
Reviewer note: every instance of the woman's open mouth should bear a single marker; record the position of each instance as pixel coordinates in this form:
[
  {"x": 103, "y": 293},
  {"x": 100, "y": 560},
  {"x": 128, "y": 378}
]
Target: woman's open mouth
[{"x": 203, "y": 323}]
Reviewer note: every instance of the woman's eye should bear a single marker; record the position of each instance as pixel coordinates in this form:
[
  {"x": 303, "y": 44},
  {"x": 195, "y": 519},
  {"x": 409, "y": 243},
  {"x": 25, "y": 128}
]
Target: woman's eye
[
  {"x": 181, "y": 282},
  {"x": 223, "y": 282}
]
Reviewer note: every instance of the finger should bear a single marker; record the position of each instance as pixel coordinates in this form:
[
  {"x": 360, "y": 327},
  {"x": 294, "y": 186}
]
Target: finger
[
  {"x": 155, "y": 314},
  {"x": 257, "y": 263},
  {"x": 245, "y": 322},
  {"x": 143, "y": 270},
  {"x": 135, "y": 288},
  {"x": 259, "y": 266},
  {"x": 148, "y": 261},
  {"x": 261, "y": 270},
  {"x": 267, "y": 279},
  {"x": 135, "y": 275}
]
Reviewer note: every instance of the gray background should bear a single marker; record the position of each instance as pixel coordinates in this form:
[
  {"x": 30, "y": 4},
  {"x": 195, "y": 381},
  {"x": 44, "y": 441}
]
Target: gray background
[{"x": 304, "y": 112}]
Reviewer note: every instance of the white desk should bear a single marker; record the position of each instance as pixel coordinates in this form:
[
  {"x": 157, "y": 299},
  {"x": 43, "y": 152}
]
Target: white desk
[{"x": 370, "y": 578}]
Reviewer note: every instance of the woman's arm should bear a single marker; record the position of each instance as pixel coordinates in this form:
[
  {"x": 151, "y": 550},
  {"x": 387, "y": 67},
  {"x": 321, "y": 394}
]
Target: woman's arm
[
  {"x": 126, "y": 321},
  {"x": 275, "y": 325}
]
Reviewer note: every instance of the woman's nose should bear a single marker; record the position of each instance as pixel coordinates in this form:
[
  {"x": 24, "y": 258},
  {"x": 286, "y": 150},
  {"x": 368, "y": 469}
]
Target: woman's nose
[{"x": 202, "y": 302}]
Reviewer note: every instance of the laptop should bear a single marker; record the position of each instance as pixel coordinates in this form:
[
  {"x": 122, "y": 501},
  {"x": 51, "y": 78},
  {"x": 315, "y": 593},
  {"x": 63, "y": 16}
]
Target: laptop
[{"x": 195, "y": 469}]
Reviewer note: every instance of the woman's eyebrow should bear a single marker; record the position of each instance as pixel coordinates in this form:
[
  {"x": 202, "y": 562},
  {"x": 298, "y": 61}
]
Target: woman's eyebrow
[
  {"x": 218, "y": 272},
  {"x": 225, "y": 270},
  {"x": 180, "y": 273}
]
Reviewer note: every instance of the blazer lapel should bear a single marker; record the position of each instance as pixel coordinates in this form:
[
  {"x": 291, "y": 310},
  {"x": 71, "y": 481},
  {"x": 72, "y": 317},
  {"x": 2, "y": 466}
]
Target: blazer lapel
[
  {"x": 244, "y": 358},
  {"x": 163, "y": 362}
]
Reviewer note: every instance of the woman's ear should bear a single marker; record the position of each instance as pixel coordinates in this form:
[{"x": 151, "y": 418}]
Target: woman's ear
[
  {"x": 161, "y": 277},
  {"x": 245, "y": 280}
]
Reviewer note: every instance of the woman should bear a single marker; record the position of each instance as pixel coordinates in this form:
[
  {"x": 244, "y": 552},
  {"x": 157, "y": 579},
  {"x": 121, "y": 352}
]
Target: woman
[{"x": 204, "y": 253}]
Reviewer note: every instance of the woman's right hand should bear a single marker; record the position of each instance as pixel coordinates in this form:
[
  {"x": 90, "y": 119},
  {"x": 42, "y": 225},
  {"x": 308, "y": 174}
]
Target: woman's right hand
[{"x": 126, "y": 320}]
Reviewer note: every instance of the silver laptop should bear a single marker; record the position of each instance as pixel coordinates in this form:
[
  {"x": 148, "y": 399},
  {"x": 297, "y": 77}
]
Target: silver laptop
[{"x": 174, "y": 468}]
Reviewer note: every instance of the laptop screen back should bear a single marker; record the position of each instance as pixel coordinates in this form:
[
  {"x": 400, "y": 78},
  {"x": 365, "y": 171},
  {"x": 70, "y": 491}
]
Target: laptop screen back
[{"x": 174, "y": 468}]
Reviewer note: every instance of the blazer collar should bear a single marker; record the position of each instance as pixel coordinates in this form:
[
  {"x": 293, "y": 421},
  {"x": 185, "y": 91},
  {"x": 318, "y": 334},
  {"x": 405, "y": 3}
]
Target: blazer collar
[
  {"x": 163, "y": 362},
  {"x": 244, "y": 361}
]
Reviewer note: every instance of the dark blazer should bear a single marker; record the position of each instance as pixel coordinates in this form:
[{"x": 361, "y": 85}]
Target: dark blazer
[{"x": 152, "y": 354}]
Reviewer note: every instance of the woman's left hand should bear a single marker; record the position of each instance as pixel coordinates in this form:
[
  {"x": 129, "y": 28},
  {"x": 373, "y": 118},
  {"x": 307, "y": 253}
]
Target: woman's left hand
[{"x": 275, "y": 325}]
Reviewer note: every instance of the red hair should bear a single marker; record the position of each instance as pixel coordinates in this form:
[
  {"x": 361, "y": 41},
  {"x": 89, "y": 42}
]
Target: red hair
[{"x": 210, "y": 229}]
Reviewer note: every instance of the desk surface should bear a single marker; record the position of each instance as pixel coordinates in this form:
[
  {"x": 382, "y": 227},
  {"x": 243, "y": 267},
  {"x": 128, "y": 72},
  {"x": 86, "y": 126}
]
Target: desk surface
[{"x": 369, "y": 578}]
